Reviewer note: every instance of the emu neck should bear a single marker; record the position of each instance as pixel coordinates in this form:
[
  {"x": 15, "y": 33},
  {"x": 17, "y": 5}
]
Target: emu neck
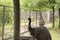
[{"x": 29, "y": 21}]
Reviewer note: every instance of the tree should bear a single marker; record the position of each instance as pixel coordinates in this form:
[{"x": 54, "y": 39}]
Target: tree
[
  {"x": 53, "y": 2},
  {"x": 59, "y": 17},
  {"x": 16, "y": 19}
]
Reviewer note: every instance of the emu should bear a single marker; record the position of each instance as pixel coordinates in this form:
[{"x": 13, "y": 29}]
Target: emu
[{"x": 41, "y": 32}]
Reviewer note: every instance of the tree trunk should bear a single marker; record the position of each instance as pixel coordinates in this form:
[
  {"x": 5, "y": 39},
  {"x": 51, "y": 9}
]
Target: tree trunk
[
  {"x": 16, "y": 19},
  {"x": 53, "y": 16},
  {"x": 59, "y": 17}
]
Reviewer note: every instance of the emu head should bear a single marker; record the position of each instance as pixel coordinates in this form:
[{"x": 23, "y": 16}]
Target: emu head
[{"x": 29, "y": 21}]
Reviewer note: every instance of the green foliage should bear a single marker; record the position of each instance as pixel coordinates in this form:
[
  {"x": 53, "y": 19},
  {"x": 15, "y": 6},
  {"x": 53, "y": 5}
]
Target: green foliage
[
  {"x": 39, "y": 5},
  {"x": 7, "y": 11},
  {"x": 7, "y": 18},
  {"x": 56, "y": 24},
  {"x": 1, "y": 8},
  {"x": 6, "y": 2},
  {"x": 0, "y": 19},
  {"x": 35, "y": 5}
]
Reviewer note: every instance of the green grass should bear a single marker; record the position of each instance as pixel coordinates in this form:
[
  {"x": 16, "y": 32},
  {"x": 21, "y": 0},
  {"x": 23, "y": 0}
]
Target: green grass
[
  {"x": 55, "y": 34},
  {"x": 56, "y": 26}
]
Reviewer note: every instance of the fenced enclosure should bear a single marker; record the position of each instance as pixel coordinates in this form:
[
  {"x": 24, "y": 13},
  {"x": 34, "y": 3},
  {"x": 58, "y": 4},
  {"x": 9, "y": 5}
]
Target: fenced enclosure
[{"x": 7, "y": 21}]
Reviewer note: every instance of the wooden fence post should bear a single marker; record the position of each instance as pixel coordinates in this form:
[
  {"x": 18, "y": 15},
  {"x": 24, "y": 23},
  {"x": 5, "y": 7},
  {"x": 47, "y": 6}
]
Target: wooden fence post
[{"x": 3, "y": 22}]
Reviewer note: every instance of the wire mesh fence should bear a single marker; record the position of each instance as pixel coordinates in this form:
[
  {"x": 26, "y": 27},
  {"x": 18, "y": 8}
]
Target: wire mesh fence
[{"x": 7, "y": 23}]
